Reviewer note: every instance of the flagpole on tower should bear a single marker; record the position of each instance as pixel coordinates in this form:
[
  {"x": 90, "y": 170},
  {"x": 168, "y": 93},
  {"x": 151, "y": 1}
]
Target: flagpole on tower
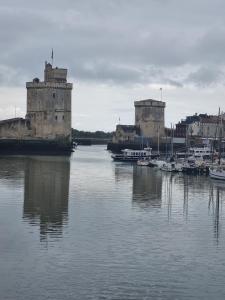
[
  {"x": 160, "y": 93},
  {"x": 52, "y": 57}
]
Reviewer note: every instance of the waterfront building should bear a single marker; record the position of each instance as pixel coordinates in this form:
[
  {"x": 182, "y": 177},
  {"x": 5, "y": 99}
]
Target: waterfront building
[
  {"x": 200, "y": 126},
  {"x": 207, "y": 127},
  {"x": 125, "y": 133}
]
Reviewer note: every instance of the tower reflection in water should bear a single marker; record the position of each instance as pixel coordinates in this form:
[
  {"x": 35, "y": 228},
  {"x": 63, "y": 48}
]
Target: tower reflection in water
[
  {"x": 46, "y": 192},
  {"x": 147, "y": 187}
]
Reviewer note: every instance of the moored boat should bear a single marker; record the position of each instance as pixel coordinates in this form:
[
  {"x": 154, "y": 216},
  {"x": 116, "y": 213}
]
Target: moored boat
[
  {"x": 129, "y": 155},
  {"x": 171, "y": 167},
  {"x": 217, "y": 172},
  {"x": 143, "y": 162}
]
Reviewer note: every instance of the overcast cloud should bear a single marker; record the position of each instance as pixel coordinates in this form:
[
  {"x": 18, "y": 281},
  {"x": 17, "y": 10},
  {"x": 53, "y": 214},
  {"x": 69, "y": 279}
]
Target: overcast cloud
[{"x": 117, "y": 51}]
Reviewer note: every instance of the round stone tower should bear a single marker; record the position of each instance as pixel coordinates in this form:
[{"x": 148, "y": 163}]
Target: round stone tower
[
  {"x": 49, "y": 105},
  {"x": 149, "y": 116}
]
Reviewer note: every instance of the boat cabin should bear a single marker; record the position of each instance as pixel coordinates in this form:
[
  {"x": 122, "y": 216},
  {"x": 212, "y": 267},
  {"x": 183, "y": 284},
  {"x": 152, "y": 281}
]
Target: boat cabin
[{"x": 137, "y": 153}]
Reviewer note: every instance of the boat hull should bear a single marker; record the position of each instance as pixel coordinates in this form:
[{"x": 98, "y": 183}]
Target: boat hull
[
  {"x": 219, "y": 175},
  {"x": 126, "y": 159}
]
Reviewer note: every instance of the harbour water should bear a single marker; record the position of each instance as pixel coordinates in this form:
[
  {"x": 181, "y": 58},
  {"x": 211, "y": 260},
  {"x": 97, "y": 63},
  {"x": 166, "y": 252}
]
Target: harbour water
[{"x": 90, "y": 228}]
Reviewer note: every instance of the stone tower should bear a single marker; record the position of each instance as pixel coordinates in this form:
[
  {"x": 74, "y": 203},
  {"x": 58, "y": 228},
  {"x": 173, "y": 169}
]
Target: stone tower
[
  {"x": 49, "y": 105},
  {"x": 149, "y": 116}
]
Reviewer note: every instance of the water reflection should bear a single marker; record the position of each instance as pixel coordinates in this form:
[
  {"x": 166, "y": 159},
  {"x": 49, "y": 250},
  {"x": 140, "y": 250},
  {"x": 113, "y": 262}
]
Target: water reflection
[
  {"x": 46, "y": 192},
  {"x": 12, "y": 169},
  {"x": 216, "y": 195},
  {"x": 147, "y": 187},
  {"x": 168, "y": 183},
  {"x": 123, "y": 172}
]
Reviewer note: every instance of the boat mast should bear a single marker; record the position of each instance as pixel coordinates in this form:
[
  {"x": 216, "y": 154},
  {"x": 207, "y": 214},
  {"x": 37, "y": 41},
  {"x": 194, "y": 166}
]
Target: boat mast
[
  {"x": 172, "y": 136},
  {"x": 215, "y": 138},
  {"x": 220, "y": 137}
]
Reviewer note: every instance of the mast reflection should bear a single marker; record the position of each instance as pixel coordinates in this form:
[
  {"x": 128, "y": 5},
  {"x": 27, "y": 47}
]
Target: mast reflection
[
  {"x": 217, "y": 190},
  {"x": 46, "y": 192}
]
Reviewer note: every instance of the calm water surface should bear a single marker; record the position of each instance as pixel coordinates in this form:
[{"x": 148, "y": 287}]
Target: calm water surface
[{"x": 89, "y": 228}]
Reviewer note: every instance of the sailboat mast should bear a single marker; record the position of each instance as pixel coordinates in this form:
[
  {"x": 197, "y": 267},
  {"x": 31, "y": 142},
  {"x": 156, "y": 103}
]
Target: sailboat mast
[{"x": 220, "y": 137}]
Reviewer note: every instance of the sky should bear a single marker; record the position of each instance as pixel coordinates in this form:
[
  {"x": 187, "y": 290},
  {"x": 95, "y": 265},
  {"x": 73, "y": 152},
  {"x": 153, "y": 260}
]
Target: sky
[{"x": 116, "y": 52}]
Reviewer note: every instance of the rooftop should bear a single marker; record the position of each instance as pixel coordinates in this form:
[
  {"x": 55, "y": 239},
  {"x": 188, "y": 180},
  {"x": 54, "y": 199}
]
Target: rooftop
[
  {"x": 149, "y": 102},
  {"x": 13, "y": 120}
]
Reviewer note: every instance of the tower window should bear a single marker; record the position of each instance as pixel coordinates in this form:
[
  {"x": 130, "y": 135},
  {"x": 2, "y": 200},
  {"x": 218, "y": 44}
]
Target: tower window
[
  {"x": 53, "y": 95},
  {"x": 56, "y": 118},
  {"x": 63, "y": 117}
]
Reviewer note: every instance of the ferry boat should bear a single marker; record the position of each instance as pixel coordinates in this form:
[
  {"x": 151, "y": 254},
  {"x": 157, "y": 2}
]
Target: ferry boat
[{"x": 133, "y": 155}]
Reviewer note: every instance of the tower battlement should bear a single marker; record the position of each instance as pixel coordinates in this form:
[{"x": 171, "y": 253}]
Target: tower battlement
[{"x": 54, "y": 74}]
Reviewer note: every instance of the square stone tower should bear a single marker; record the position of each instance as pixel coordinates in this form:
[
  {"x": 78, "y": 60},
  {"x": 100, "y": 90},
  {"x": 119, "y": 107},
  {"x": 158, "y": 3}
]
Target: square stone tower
[
  {"x": 149, "y": 116},
  {"x": 49, "y": 105}
]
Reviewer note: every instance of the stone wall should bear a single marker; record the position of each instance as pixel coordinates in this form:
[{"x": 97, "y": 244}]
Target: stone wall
[{"x": 17, "y": 128}]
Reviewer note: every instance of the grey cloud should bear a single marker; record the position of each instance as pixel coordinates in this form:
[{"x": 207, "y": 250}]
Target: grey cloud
[
  {"x": 115, "y": 42},
  {"x": 174, "y": 83},
  {"x": 206, "y": 76}
]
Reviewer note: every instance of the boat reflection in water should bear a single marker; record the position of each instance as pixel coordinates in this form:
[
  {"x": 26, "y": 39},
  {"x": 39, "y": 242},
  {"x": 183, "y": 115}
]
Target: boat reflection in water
[
  {"x": 46, "y": 192},
  {"x": 147, "y": 187}
]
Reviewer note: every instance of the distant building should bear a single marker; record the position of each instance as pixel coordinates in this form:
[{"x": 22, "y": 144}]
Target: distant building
[
  {"x": 48, "y": 117},
  {"x": 208, "y": 127},
  {"x": 181, "y": 130},
  {"x": 125, "y": 133},
  {"x": 200, "y": 126}
]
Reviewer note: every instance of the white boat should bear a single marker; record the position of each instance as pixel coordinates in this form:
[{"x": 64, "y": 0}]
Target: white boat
[
  {"x": 217, "y": 172},
  {"x": 171, "y": 167},
  {"x": 143, "y": 162},
  {"x": 156, "y": 163},
  {"x": 133, "y": 155},
  {"x": 201, "y": 152}
]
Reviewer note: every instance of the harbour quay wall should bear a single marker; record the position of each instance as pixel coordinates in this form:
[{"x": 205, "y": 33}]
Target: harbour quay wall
[
  {"x": 34, "y": 147},
  {"x": 91, "y": 141},
  {"x": 163, "y": 147}
]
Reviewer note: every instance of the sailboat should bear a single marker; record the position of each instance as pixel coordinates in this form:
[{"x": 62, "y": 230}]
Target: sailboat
[{"x": 218, "y": 171}]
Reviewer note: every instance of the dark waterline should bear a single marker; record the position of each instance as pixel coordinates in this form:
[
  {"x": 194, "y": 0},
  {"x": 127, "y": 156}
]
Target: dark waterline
[{"x": 89, "y": 228}]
